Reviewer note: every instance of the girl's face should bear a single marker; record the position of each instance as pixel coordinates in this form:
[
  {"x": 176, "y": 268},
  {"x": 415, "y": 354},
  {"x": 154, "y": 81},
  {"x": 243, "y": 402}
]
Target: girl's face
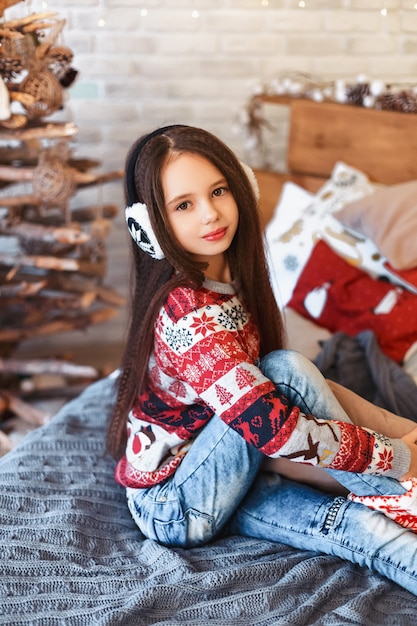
[{"x": 201, "y": 210}]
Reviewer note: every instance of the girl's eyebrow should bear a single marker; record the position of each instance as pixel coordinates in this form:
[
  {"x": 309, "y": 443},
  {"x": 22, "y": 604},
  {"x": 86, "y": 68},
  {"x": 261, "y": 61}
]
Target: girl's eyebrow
[
  {"x": 184, "y": 196},
  {"x": 178, "y": 199}
]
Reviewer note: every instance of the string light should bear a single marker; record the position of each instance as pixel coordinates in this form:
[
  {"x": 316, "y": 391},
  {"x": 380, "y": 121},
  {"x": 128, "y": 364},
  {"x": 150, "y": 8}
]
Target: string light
[
  {"x": 302, "y": 4},
  {"x": 101, "y": 23},
  {"x": 144, "y": 12},
  {"x": 195, "y": 13},
  {"x": 384, "y": 12}
]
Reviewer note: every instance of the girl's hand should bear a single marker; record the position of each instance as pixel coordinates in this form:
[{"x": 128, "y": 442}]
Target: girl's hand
[{"x": 411, "y": 440}]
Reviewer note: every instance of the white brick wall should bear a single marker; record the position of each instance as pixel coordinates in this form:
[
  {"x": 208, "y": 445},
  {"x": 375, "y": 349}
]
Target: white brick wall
[{"x": 138, "y": 71}]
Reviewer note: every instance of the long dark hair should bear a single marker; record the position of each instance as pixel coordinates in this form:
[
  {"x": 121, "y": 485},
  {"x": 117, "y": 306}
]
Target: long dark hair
[{"x": 154, "y": 279}]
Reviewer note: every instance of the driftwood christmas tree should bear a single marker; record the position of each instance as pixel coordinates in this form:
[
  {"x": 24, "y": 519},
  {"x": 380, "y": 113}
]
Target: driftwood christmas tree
[{"x": 52, "y": 253}]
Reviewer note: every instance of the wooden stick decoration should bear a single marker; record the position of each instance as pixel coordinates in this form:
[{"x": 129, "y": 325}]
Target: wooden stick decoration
[
  {"x": 10, "y": 34},
  {"x": 22, "y": 290},
  {"x": 11, "y": 335},
  {"x": 22, "y": 21},
  {"x": 67, "y": 283},
  {"x": 90, "y": 268},
  {"x": 19, "y": 200},
  {"x": 39, "y": 307},
  {"x": 5, "y": 4},
  {"x": 47, "y": 234},
  {"x": 47, "y": 366},
  {"x": 24, "y": 410},
  {"x": 83, "y": 179}
]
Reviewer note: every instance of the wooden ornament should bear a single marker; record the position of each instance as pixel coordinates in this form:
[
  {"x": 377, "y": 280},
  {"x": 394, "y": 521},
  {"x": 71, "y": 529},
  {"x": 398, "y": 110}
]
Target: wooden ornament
[
  {"x": 46, "y": 91},
  {"x": 53, "y": 181}
]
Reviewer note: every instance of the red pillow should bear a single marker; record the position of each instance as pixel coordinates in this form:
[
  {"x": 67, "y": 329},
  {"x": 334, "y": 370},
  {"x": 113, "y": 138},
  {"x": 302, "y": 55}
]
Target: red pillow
[
  {"x": 410, "y": 275},
  {"x": 342, "y": 297}
]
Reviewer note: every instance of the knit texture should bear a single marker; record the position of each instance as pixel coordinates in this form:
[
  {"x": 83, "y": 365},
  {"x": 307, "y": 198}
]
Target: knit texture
[
  {"x": 206, "y": 348},
  {"x": 71, "y": 554}
]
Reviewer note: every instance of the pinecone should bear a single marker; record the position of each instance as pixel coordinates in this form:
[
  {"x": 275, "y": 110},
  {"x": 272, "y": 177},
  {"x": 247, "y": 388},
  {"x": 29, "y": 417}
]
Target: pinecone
[
  {"x": 10, "y": 67},
  {"x": 355, "y": 94},
  {"x": 403, "y": 101}
]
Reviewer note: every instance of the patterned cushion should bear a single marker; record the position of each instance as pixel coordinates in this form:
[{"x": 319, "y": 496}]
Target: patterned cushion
[
  {"x": 301, "y": 219},
  {"x": 344, "y": 298}
]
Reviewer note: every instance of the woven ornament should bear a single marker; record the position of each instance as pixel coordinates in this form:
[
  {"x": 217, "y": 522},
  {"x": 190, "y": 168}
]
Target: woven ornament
[
  {"x": 53, "y": 181},
  {"x": 46, "y": 91}
]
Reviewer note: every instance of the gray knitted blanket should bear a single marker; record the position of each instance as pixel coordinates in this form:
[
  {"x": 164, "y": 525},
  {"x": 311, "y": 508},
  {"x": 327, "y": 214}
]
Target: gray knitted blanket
[{"x": 71, "y": 555}]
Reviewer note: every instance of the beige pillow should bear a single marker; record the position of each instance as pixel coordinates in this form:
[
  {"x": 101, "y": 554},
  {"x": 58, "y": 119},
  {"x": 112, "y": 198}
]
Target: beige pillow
[{"x": 389, "y": 218}]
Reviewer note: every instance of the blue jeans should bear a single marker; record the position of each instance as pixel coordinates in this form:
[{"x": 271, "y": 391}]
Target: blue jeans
[{"x": 219, "y": 486}]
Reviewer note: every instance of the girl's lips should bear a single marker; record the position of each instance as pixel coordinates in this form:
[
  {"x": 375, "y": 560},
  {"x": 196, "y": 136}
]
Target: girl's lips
[{"x": 215, "y": 235}]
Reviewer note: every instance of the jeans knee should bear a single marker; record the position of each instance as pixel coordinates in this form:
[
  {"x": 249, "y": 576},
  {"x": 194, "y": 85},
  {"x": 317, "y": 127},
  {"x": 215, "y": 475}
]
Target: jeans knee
[{"x": 286, "y": 363}]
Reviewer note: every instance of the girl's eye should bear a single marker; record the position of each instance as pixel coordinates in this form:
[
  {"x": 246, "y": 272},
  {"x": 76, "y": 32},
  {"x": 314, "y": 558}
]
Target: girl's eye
[
  {"x": 220, "y": 191},
  {"x": 183, "y": 206}
]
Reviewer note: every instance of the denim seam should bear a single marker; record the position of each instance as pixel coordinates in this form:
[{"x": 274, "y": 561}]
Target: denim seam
[
  {"x": 331, "y": 514},
  {"x": 361, "y": 550}
]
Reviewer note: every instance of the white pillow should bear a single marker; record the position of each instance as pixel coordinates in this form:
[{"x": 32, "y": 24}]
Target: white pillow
[
  {"x": 301, "y": 218},
  {"x": 283, "y": 267},
  {"x": 389, "y": 218}
]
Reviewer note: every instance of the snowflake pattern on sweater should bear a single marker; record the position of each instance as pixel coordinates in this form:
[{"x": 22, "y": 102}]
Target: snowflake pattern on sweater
[{"x": 204, "y": 363}]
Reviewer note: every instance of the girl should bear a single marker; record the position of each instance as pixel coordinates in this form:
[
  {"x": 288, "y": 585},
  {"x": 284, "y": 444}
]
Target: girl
[{"x": 208, "y": 399}]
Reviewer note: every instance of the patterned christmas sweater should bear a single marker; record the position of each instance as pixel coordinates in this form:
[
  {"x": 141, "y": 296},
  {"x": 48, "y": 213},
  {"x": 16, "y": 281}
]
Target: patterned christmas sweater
[{"x": 204, "y": 362}]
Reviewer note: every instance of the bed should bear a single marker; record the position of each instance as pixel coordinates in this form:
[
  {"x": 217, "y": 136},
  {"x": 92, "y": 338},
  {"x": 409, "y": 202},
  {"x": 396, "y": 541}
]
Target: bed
[{"x": 71, "y": 553}]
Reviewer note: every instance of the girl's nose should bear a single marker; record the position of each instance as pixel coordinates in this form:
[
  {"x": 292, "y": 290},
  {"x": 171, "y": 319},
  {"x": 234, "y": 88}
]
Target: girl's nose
[{"x": 208, "y": 212}]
